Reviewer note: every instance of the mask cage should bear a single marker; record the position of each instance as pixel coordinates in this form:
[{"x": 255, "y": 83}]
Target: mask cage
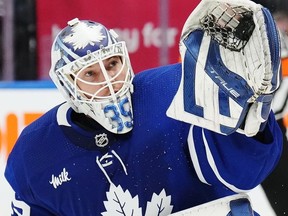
[{"x": 68, "y": 74}]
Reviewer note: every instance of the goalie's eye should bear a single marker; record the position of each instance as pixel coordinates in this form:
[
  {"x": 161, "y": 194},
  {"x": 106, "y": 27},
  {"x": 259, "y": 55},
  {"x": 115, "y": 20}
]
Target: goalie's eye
[
  {"x": 112, "y": 63},
  {"x": 91, "y": 74}
]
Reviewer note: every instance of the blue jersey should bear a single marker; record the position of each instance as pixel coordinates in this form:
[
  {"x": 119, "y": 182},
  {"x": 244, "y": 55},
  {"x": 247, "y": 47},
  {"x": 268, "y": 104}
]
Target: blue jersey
[{"x": 62, "y": 165}]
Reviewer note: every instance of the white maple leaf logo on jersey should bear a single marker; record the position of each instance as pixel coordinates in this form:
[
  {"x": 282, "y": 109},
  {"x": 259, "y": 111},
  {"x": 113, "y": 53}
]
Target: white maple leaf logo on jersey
[
  {"x": 120, "y": 202},
  {"x": 83, "y": 34}
]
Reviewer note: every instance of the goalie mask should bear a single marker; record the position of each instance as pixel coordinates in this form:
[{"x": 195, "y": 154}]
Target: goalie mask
[{"x": 92, "y": 70}]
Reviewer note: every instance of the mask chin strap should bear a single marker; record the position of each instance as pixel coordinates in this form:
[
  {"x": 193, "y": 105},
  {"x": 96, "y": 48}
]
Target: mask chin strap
[{"x": 84, "y": 108}]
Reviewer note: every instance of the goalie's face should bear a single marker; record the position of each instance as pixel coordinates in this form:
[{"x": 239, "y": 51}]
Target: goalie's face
[
  {"x": 102, "y": 80},
  {"x": 102, "y": 90}
]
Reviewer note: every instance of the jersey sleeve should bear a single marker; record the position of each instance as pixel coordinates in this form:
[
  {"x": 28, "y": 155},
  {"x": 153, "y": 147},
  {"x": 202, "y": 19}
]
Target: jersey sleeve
[
  {"x": 19, "y": 207},
  {"x": 238, "y": 162},
  {"x": 24, "y": 202}
]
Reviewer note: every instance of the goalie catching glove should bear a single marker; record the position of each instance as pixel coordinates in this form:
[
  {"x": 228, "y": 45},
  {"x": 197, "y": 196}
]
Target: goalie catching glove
[{"x": 230, "y": 67}]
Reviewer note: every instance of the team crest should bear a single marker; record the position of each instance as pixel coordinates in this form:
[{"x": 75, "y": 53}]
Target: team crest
[
  {"x": 79, "y": 40},
  {"x": 101, "y": 140}
]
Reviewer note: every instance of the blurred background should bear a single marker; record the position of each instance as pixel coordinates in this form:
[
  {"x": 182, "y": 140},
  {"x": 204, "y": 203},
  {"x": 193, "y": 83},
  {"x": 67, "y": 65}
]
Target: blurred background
[
  {"x": 151, "y": 31},
  {"x": 27, "y": 29}
]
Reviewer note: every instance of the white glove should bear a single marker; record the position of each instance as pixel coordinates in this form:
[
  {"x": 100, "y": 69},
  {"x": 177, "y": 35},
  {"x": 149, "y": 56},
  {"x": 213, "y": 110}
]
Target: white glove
[
  {"x": 230, "y": 67},
  {"x": 229, "y": 205}
]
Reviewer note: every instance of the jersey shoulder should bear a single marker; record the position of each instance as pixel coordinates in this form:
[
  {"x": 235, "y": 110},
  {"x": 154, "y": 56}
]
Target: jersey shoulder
[
  {"x": 42, "y": 122},
  {"x": 169, "y": 73}
]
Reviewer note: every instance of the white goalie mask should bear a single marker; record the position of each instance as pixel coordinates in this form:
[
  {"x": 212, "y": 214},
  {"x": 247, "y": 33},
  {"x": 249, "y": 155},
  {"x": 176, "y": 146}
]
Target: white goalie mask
[{"x": 78, "y": 50}]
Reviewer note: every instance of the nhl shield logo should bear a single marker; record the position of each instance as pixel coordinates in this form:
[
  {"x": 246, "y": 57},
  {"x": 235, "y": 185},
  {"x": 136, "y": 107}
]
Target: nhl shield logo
[{"x": 101, "y": 140}]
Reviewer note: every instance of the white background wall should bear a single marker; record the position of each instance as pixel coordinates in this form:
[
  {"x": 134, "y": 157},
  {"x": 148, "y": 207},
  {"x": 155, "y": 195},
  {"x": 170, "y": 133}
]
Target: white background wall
[{"x": 18, "y": 101}]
